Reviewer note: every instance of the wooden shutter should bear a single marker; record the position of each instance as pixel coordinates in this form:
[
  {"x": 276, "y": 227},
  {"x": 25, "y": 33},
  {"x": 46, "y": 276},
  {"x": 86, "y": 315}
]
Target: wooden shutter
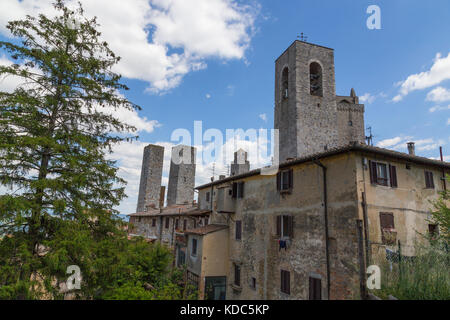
[
  {"x": 393, "y": 176},
  {"x": 238, "y": 230},
  {"x": 291, "y": 178},
  {"x": 387, "y": 220},
  {"x": 315, "y": 289},
  {"x": 291, "y": 226},
  {"x": 240, "y": 190},
  {"x": 237, "y": 275},
  {"x": 279, "y": 180},
  {"x": 278, "y": 225},
  {"x": 429, "y": 181},
  {"x": 184, "y": 224},
  {"x": 373, "y": 172},
  {"x": 234, "y": 194},
  {"x": 285, "y": 282}
]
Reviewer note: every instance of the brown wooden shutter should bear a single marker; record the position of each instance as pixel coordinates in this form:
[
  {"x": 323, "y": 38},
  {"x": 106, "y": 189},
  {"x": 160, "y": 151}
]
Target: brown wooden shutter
[
  {"x": 291, "y": 179},
  {"x": 373, "y": 172},
  {"x": 234, "y": 194},
  {"x": 279, "y": 180},
  {"x": 241, "y": 190},
  {"x": 393, "y": 176},
  {"x": 291, "y": 226},
  {"x": 429, "y": 181},
  {"x": 387, "y": 220},
  {"x": 278, "y": 225},
  {"x": 238, "y": 230},
  {"x": 315, "y": 289}
]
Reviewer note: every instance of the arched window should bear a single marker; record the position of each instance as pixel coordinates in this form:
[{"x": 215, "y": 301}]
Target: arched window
[
  {"x": 315, "y": 76},
  {"x": 285, "y": 83}
]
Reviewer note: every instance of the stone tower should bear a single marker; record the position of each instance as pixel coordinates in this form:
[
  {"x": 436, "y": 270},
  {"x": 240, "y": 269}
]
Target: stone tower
[
  {"x": 182, "y": 175},
  {"x": 240, "y": 163},
  {"x": 151, "y": 175},
  {"x": 306, "y": 108}
]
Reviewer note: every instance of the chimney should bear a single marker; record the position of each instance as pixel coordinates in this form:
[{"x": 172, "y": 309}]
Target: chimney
[{"x": 411, "y": 148}]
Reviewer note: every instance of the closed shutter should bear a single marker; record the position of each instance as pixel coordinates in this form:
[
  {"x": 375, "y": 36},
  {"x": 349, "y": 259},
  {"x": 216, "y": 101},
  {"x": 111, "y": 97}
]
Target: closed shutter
[
  {"x": 373, "y": 172},
  {"x": 393, "y": 176},
  {"x": 278, "y": 225},
  {"x": 291, "y": 179},
  {"x": 429, "y": 181},
  {"x": 315, "y": 289},
  {"x": 387, "y": 220},
  {"x": 240, "y": 190},
  {"x": 285, "y": 282},
  {"x": 279, "y": 181},
  {"x": 184, "y": 224},
  {"x": 238, "y": 230},
  {"x": 234, "y": 194},
  {"x": 291, "y": 226}
]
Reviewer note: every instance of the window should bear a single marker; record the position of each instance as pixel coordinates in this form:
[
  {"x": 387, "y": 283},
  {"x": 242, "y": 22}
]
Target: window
[
  {"x": 315, "y": 75},
  {"x": 195, "y": 223},
  {"x": 207, "y": 196},
  {"x": 285, "y": 83},
  {"x": 429, "y": 181},
  {"x": 176, "y": 224},
  {"x": 237, "y": 275},
  {"x": 285, "y": 180},
  {"x": 285, "y": 226},
  {"x": 238, "y": 230},
  {"x": 253, "y": 283},
  {"x": 184, "y": 224},
  {"x": 315, "y": 289},
  {"x": 238, "y": 190},
  {"x": 167, "y": 222},
  {"x": 387, "y": 220},
  {"x": 383, "y": 174},
  {"x": 388, "y": 233},
  {"x": 153, "y": 222},
  {"x": 285, "y": 282},
  {"x": 194, "y": 247}
]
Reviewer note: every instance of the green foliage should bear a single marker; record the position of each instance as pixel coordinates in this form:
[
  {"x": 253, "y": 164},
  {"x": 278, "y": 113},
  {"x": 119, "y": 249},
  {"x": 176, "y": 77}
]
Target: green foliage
[
  {"x": 426, "y": 277},
  {"x": 441, "y": 216},
  {"x": 56, "y": 130}
]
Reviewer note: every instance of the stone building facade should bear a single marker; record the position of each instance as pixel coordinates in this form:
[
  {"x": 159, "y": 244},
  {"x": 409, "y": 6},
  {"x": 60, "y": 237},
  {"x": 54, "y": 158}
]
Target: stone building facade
[
  {"x": 182, "y": 176},
  {"x": 240, "y": 163},
  {"x": 151, "y": 176},
  {"x": 309, "y": 115},
  {"x": 310, "y": 238}
]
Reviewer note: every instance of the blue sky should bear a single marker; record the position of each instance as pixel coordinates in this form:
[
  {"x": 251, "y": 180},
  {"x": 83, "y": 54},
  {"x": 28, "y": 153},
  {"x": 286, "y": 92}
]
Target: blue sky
[{"x": 213, "y": 60}]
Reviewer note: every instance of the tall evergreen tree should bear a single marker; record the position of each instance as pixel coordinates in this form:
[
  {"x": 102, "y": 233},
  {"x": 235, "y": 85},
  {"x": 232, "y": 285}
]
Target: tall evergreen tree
[{"x": 56, "y": 130}]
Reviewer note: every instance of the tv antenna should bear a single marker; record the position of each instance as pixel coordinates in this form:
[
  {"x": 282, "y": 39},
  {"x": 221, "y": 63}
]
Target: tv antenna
[
  {"x": 370, "y": 137},
  {"x": 302, "y": 37}
]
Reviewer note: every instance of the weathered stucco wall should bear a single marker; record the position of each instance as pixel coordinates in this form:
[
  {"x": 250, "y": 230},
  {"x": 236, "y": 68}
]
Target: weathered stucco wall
[
  {"x": 258, "y": 252},
  {"x": 409, "y": 203}
]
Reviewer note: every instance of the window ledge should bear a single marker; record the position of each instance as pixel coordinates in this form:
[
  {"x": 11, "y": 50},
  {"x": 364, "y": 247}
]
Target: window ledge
[{"x": 236, "y": 287}]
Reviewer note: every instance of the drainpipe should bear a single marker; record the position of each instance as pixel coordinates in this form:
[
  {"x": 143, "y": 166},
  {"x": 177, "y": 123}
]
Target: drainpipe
[
  {"x": 443, "y": 170},
  {"x": 327, "y": 252}
]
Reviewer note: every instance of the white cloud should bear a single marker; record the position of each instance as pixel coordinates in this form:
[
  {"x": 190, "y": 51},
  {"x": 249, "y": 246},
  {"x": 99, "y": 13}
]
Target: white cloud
[
  {"x": 208, "y": 96},
  {"x": 448, "y": 121},
  {"x": 160, "y": 41},
  {"x": 439, "y": 94},
  {"x": 439, "y": 108},
  {"x": 439, "y": 72},
  {"x": 263, "y": 117},
  {"x": 392, "y": 142},
  {"x": 367, "y": 98}
]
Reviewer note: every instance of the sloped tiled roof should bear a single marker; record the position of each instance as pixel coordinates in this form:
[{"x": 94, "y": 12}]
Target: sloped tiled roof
[
  {"x": 210, "y": 228},
  {"x": 351, "y": 147}
]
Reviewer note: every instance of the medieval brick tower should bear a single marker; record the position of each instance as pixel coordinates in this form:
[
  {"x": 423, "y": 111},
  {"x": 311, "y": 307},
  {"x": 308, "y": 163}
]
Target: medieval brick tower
[
  {"x": 240, "y": 164},
  {"x": 309, "y": 115},
  {"x": 151, "y": 175},
  {"x": 182, "y": 175}
]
